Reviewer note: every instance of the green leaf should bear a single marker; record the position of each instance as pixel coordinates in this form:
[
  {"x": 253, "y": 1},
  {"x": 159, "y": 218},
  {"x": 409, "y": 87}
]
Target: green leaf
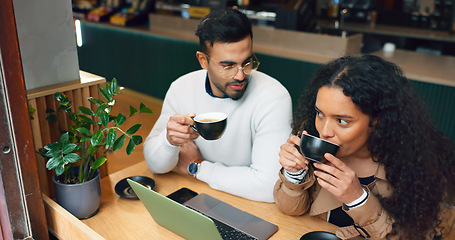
[
  {"x": 31, "y": 110},
  {"x": 111, "y": 137},
  {"x": 52, "y": 146},
  {"x": 42, "y": 151},
  {"x": 62, "y": 98},
  {"x": 130, "y": 147},
  {"x": 97, "y": 138},
  {"x": 119, "y": 143},
  {"x": 133, "y": 129},
  {"x": 132, "y": 110},
  {"x": 120, "y": 119},
  {"x": 84, "y": 131},
  {"x": 60, "y": 169},
  {"x": 54, "y": 162},
  {"x": 100, "y": 161},
  {"x": 137, "y": 139},
  {"x": 114, "y": 86},
  {"x": 49, "y": 111},
  {"x": 71, "y": 158},
  {"x": 86, "y": 110},
  {"x": 112, "y": 103},
  {"x": 68, "y": 148},
  {"x": 51, "y": 118},
  {"x": 95, "y": 101},
  {"x": 144, "y": 109},
  {"x": 64, "y": 138},
  {"x": 92, "y": 149},
  {"x": 85, "y": 139},
  {"x": 104, "y": 118},
  {"x": 105, "y": 93},
  {"x": 86, "y": 120},
  {"x": 53, "y": 153},
  {"x": 101, "y": 109}
]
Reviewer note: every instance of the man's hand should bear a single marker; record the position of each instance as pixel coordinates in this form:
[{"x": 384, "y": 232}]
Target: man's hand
[
  {"x": 189, "y": 153},
  {"x": 179, "y": 130}
]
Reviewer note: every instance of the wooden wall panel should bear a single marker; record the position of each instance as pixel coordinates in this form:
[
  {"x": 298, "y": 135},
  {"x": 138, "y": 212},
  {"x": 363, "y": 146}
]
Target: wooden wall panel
[{"x": 45, "y": 132}]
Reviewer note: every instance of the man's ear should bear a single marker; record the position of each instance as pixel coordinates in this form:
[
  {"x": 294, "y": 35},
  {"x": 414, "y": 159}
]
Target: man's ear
[{"x": 202, "y": 58}]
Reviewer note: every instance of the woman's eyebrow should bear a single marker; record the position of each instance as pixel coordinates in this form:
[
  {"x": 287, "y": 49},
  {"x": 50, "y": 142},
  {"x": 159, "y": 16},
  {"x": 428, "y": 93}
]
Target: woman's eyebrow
[
  {"x": 344, "y": 116},
  {"x": 336, "y": 115}
]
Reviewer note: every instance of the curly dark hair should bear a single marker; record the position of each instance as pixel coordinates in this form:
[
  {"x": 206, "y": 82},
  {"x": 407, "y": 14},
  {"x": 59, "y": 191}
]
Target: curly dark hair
[
  {"x": 418, "y": 158},
  {"x": 226, "y": 25}
]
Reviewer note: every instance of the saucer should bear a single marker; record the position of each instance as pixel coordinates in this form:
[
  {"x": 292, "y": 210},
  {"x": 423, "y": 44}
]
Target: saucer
[
  {"x": 319, "y": 235},
  {"x": 123, "y": 189}
]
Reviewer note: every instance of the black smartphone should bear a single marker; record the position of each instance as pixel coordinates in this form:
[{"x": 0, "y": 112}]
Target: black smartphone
[{"x": 182, "y": 195}]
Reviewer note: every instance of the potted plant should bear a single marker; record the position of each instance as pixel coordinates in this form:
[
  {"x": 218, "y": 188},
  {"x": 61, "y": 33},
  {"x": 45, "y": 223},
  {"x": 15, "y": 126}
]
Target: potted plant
[{"x": 82, "y": 149}]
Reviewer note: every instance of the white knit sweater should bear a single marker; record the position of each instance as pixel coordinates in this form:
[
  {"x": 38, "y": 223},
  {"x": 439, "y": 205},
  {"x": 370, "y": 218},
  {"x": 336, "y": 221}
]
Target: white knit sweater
[{"x": 244, "y": 161}]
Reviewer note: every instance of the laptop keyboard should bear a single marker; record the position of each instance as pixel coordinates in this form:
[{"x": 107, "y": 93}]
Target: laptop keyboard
[{"x": 227, "y": 232}]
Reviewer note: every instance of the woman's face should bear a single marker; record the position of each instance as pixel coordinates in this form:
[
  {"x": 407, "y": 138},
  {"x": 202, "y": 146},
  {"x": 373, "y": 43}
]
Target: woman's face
[{"x": 340, "y": 121}]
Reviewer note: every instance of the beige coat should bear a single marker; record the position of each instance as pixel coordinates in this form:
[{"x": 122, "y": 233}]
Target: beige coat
[{"x": 298, "y": 199}]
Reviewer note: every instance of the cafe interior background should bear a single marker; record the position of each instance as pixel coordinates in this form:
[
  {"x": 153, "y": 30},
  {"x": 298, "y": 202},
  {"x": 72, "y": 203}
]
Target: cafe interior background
[
  {"x": 146, "y": 44},
  {"x": 291, "y": 39}
]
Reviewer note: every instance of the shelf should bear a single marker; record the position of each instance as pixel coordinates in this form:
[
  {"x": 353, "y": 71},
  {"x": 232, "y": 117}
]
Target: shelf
[{"x": 389, "y": 30}]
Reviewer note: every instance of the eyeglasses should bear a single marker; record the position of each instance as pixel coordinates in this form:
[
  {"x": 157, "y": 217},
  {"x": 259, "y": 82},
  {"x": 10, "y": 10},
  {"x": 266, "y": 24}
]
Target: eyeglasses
[{"x": 230, "y": 71}]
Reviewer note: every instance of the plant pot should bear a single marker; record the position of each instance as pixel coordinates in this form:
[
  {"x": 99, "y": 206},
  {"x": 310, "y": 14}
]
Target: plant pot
[{"x": 82, "y": 199}]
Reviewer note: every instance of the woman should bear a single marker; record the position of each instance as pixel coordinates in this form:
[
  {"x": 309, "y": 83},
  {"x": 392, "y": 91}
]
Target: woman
[{"x": 393, "y": 175}]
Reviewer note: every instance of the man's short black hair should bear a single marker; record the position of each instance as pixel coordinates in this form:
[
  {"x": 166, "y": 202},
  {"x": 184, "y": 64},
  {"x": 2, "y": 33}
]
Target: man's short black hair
[{"x": 227, "y": 26}]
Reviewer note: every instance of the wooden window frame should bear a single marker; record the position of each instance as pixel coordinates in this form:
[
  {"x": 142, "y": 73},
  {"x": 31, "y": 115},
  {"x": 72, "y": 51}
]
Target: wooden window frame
[{"x": 22, "y": 213}]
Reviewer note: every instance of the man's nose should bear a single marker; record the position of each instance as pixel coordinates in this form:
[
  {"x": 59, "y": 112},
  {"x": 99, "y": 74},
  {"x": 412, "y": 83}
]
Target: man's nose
[{"x": 240, "y": 75}]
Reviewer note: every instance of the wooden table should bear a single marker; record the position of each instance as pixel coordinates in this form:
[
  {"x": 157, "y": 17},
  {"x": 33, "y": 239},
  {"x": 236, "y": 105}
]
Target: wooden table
[{"x": 120, "y": 218}]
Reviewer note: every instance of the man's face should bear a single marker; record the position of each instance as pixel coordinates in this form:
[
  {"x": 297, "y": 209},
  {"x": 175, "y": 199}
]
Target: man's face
[{"x": 226, "y": 55}]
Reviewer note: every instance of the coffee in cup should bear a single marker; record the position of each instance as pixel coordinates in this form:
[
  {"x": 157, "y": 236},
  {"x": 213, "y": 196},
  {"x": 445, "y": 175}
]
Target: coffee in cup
[{"x": 210, "y": 125}]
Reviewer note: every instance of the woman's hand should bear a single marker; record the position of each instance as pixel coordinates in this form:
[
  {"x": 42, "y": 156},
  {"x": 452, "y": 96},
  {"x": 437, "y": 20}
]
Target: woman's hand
[
  {"x": 337, "y": 178},
  {"x": 290, "y": 157}
]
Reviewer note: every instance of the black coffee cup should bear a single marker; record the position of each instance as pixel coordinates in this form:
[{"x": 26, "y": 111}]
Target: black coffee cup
[
  {"x": 210, "y": 125},
  {"x": 314, "y": 148}
]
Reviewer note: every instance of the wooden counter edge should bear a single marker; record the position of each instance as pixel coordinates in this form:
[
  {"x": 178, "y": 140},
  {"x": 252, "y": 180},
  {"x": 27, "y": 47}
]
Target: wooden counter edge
[
  {"x": 64, "y": 225},
  {"x": 86, "y": 79}
]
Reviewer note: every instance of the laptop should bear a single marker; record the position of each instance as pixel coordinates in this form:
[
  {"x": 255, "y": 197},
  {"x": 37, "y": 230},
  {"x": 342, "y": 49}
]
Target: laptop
[{"x": 202, "y": 217}]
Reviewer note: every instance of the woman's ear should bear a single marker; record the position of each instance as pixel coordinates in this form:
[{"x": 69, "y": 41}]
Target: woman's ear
[
  {"x": 202, "y": 58},
  {"x": 373, "y": 122}
]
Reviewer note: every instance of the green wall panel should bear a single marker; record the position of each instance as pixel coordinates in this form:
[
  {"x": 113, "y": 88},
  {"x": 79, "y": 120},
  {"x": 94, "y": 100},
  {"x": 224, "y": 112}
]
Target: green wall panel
[
  {"x": 440, "y": 101},
  {"x": 293, "y": 74},
  {"x": 138, "y": 60}
]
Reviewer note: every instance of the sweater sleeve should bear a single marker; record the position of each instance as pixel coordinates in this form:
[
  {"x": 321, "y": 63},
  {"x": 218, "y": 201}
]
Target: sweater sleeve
[
  {"x": 159, "y": 154},
  {"x": 255, "y": 182}
]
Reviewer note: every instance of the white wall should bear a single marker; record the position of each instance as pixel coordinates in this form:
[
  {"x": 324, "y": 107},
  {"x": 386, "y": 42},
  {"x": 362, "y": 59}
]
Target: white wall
[{"x": 47, "y": 41}]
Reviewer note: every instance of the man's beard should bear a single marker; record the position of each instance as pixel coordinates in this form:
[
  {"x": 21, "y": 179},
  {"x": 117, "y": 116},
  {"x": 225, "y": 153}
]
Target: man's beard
[{"x": 236, "y": 95}]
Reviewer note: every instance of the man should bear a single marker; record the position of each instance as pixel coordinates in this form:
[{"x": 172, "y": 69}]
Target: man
[{"x": 244, "y": 161}]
